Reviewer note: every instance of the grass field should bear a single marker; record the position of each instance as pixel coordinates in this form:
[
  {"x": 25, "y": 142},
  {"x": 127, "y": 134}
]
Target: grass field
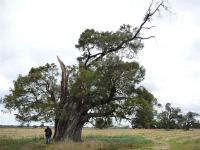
[{"x": 107, "y": 139}]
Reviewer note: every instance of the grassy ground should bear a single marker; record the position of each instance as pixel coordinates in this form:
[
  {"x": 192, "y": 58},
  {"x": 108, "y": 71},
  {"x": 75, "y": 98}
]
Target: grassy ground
[{"x": 107, "y": 139}]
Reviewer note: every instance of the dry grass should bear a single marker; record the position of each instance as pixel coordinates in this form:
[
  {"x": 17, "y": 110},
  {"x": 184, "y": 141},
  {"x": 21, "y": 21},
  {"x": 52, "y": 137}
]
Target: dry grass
[
  {"x": 161, "y": 139},
  {"x": 21, "y": 132},
  {"x": 152, "y": 134}
]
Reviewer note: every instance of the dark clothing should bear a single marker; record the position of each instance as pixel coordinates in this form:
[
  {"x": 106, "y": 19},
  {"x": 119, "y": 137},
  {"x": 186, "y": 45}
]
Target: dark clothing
[
  {"x": 48, "y": 139},
  {"x": 48, "y": 134}
]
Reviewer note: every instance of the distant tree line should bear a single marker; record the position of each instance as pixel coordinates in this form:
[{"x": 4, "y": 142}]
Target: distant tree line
[
  {"x": 172, "y": 118},
  {"x": 148, "y": 118}
]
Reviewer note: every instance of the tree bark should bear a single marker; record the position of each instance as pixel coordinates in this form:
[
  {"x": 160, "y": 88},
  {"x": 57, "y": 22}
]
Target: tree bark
[
  {"x": 68, "y": 122},
  {"x": 69, "y": 125}
]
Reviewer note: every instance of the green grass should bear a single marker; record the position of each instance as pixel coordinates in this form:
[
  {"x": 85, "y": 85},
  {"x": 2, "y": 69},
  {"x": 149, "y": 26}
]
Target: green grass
[
  {"x": 110, "y": 142},
  {"x": 121, "y": 139},
  {"x": 120, "y": 142},
  {"x": 11, "y": 141},
  {"x": 184, "y": 144},
  {"x": 107, "y": 139},
  {"x": 22, "y": 143}
]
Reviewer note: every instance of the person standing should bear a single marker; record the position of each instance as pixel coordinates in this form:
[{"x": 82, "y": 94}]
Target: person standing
[{"x": 48, "y": 134}]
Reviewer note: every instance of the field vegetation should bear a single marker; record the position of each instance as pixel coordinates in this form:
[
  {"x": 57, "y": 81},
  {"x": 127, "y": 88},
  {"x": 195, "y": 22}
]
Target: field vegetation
[{"x": 106, "y": 139}]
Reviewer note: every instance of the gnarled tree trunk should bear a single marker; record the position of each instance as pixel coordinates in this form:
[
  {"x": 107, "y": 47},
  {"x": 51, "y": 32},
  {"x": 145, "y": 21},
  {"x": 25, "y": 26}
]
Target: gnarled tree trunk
[
  {"x": 68, "y": 122},
  {"x": 69, "y": 126}
]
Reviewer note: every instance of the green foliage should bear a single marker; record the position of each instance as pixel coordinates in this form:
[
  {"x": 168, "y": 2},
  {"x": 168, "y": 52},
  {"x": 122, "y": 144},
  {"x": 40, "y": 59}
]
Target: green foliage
[
  {"x": 144, "y": 111},
  {"x": 96, "y": 84},
  {"x": 189, "y": 120},
  {"x": 169, "y": 118},
  {"x": 172, "y": 118},
  {"x": 91, "y": 40},
  {"x": 103, "y": 122},
  {"x": 36, "y": 95},
  {"x": 103, "y": 82},
  {"x": 33, "y": 95}
]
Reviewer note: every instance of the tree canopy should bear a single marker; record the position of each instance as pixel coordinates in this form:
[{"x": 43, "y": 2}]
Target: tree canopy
[
  {"x": 169, "y": 116},
  {"x": 35, "y": 95},
  {"x": 103, "y": 84}
]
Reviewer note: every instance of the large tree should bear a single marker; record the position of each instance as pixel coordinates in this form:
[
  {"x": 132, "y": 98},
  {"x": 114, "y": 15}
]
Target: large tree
[{"x": 102, "y": 84}]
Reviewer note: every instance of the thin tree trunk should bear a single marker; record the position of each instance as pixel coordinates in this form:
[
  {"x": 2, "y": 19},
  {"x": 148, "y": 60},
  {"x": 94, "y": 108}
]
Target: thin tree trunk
[{"x": 55, "y": 127}]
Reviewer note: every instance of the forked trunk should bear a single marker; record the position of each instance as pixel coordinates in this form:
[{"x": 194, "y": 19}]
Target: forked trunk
[{"x": 68, "y": 126}]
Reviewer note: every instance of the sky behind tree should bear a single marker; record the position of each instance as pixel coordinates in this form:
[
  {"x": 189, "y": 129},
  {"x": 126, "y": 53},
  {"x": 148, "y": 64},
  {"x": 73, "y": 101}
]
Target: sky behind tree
[{"x": 34, "y": 32}]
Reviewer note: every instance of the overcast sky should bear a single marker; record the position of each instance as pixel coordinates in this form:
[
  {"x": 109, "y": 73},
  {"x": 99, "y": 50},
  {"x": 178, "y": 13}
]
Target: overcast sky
[{"x": 34, "y": 32}]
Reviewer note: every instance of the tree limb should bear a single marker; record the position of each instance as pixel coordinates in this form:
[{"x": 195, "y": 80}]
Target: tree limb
[
  {"x": 148, "y": 27},
  {"x": 64, "y": 81},
  {"x": 147, "y": 18},
  {"x": 145, "y": 38}
]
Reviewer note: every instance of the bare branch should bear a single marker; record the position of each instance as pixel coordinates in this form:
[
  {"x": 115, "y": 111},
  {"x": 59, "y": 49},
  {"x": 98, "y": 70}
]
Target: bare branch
[
  {"x": 149, "y": 14},
  {"x": 64, "y": 80},
  {"x": 148, "y": 27},
  {"x": 145, "y": 38},
  {"x": 91, "y": 56}
]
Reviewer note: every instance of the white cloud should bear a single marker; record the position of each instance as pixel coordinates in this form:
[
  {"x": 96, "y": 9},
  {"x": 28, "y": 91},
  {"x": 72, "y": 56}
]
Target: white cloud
[{"x": 7, "y": 119}]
